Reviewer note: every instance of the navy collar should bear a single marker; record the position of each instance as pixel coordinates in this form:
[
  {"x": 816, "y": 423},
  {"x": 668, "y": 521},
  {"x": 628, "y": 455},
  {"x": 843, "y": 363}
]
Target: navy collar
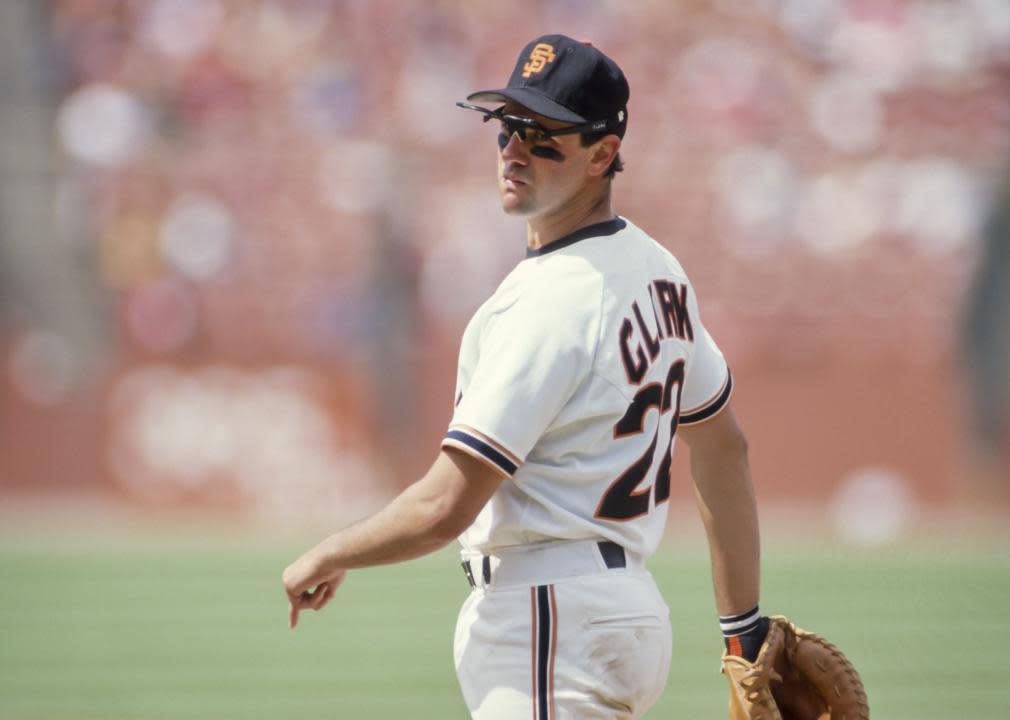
[{"x": 608, "y": 227}]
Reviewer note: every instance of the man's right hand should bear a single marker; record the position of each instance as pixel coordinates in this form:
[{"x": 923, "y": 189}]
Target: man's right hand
[{"x": 308, "y": 587}]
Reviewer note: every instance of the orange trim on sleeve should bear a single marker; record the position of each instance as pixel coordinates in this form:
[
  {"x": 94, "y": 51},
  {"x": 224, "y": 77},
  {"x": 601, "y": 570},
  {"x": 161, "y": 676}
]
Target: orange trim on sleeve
[{"x": 463, "y": 447}]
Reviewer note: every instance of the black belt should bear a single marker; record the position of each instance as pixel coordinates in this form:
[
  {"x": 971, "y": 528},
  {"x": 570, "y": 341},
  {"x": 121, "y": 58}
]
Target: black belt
[{"x": 613, "y": 557}]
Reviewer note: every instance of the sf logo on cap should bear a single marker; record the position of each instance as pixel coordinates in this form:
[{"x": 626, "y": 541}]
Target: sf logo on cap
[{"x": 541, "y": 54}]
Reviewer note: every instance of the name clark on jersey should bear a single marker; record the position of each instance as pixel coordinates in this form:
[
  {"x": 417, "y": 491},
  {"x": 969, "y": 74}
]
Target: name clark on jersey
[{"x": 639, "y": 349}]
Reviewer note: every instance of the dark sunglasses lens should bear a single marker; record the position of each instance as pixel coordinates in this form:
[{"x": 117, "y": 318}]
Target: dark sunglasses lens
[
  {"x": 527, "y": 132},
  {"x": 507, "y": 131},
  {"x": 511, "y": 127}
]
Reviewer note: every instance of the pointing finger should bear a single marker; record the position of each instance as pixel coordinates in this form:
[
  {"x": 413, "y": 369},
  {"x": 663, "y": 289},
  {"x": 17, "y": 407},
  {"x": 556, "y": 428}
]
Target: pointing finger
[{"x": 293, "y": 610}]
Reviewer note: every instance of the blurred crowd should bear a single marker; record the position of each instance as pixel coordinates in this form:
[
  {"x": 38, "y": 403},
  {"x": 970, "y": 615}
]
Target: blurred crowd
[{"x": 276, "y": 216}]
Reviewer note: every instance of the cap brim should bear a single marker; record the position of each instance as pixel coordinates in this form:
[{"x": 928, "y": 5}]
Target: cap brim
[{"x": 530, "y": 99}]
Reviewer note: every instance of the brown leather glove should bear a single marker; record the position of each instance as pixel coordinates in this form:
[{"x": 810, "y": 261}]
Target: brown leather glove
[{"x": 797, "y": 676}]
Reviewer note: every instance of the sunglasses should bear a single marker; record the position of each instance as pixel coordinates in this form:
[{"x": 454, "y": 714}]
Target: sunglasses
[{"x": 528, "y": 129}]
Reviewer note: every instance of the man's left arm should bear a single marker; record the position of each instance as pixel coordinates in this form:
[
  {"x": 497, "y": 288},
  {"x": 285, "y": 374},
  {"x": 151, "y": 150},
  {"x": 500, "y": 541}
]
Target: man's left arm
[
  {"x": 813, "y": 678},
  {"x": 423, "y": 518},
  {"x": 725, "y": 499}
]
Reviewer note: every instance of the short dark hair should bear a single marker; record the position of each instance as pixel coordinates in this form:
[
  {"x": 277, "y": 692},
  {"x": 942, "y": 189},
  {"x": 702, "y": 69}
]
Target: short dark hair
[{"x": 617, "y": 165}]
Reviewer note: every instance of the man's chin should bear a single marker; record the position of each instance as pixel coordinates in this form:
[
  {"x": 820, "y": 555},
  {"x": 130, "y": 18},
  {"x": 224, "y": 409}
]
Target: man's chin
[{"x": 512, "y": 205}]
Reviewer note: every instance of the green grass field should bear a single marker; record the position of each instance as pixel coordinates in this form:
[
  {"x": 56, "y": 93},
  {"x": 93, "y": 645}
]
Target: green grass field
[{"x": 165, "y": 631}]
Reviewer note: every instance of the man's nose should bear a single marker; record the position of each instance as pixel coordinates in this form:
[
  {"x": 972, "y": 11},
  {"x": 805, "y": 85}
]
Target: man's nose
[{"x": 515, "y": 149}]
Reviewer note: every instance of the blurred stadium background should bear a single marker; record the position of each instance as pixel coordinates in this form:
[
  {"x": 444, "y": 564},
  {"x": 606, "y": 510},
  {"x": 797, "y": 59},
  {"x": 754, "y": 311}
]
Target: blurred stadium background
[{"x": 239, "y": 241}]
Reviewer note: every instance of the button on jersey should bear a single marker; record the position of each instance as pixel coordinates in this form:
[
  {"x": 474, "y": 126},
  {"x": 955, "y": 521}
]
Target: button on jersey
[{"x": 573, "y": 378}]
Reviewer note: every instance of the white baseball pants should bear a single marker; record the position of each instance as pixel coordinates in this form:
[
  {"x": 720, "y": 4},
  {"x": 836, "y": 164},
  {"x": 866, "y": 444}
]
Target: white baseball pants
[{"x": 551, "y": 632}]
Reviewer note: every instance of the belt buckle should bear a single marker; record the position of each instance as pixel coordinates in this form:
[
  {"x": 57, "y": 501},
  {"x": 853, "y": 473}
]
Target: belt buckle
[
  {"x": 485, "y": 571},
  {"x": 469, "y": 574}
]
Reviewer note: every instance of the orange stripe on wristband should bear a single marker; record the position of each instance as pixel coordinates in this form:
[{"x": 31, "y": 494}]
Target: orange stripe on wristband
[{"x": 734, "y": 647}]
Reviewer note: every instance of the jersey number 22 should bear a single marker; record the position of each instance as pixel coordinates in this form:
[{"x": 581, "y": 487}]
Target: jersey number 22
[{"x": 624, "y": 499}]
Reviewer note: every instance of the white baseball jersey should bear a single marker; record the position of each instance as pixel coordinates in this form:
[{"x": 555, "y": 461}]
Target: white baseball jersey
[{"x": 573, "y": 378}]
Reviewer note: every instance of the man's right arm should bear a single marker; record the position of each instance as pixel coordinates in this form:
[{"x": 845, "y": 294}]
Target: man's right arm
[{"x": 424, "y": 517}]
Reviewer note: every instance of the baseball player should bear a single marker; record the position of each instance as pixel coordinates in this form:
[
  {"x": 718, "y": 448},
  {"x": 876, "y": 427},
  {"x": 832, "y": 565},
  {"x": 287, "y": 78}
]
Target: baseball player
[{"x": 575, "y": 380}]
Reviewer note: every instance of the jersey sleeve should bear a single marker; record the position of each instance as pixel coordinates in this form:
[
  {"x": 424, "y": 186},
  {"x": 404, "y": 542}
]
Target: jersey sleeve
[
  {"x": 709, "y": 383},
  {"x": 532, "y": 357}
]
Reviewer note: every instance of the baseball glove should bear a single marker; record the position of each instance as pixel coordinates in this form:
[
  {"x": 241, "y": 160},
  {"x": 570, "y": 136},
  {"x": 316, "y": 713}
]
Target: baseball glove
[{"x": 797, "y": 676}]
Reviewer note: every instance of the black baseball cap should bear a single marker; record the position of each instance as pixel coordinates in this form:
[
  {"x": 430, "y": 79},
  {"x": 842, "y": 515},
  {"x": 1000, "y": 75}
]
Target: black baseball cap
[{"x": 566, "y": 80}]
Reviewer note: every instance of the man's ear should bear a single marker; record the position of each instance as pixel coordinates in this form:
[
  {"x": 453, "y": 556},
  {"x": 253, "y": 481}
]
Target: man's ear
[{"x": 604, "y": 152}]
